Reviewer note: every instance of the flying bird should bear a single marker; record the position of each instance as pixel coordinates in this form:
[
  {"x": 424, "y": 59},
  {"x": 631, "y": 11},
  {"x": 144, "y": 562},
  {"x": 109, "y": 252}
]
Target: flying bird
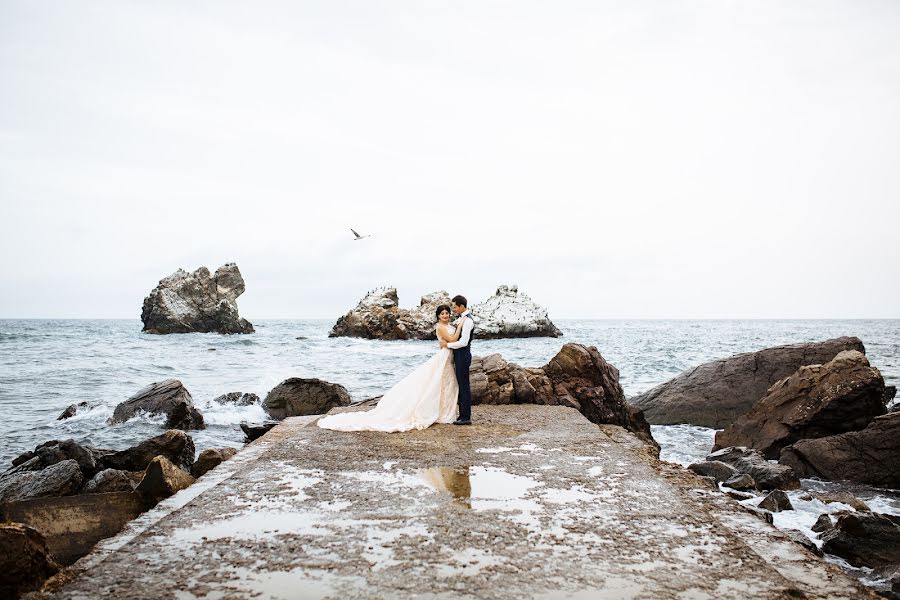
[{"x": 357, "y": 237}]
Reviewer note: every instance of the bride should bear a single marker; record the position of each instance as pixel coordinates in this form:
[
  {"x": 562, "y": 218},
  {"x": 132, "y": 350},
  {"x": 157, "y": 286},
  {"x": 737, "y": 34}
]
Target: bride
[{"x": 427, "y": 395}]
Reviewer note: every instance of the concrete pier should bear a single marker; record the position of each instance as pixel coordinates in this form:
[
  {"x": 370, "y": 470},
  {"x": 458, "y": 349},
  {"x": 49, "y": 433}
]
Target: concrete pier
[{"x": 530, "y": 502}]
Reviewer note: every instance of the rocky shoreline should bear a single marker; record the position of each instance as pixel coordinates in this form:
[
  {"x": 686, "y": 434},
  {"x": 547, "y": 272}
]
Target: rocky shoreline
[{"x": 826, "y": 420}]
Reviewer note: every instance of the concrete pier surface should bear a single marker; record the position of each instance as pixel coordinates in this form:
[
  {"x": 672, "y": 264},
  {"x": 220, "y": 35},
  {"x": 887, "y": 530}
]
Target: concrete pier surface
[{"x": 530, "y": 502}]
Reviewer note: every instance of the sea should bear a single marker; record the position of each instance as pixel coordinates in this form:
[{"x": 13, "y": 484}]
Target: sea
[{"x": 46, "y": 365}]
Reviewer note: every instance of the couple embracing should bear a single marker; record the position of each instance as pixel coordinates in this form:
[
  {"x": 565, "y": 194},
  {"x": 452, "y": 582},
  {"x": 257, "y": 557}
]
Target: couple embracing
[{"x": 437, "y": 391}]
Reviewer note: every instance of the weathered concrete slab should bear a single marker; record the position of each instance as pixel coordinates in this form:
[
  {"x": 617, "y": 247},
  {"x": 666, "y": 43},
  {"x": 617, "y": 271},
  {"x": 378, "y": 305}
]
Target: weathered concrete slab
[
  {"x": 532, "y": 501},
  {"x": 73, "y": 524}
]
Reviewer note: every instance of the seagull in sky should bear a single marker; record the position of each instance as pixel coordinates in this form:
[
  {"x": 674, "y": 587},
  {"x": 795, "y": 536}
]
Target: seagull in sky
[{"x": 356, "y": 236}]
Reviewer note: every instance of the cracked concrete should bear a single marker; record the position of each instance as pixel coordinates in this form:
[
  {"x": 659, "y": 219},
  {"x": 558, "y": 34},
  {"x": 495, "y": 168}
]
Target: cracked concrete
[{"x": 531, "y": 501}]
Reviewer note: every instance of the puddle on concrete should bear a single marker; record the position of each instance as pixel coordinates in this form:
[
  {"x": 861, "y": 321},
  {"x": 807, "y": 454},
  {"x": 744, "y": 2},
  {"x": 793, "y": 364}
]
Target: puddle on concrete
[
  {"x": 479, "y": 487},
  {"x": 296, "y": 583}
]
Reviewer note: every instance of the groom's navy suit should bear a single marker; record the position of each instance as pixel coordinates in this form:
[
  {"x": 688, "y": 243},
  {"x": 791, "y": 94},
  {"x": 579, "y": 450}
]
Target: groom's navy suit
[{"x": 462, "y": 360}]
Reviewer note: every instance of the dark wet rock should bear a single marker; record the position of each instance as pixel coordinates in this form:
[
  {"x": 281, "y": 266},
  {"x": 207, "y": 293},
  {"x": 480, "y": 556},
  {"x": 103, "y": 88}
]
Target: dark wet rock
[
  {"x": 739, "y": 495},
  {"x": 169, "y": 398},
  {"x": 776, "y": 501},
  {"x": 297, "y": 397},
  {"x": 237, "y": 398},
  {"x": 865, "y": 539},
  {"x": 844, "y": 498},
  {"x": 763, "y": 515},
  {"x": 578, "y": 377},
  {"x": 768, "y": 476},
  {"x": 196, "y": 302},
  {"x": 25, "y": 561},
  {"x": 162, "y": 479},
  {"x": 300, "y": 337},
  {"x": 740, "y": 482},
  {"x": 71, "y": 410},
  {"x": 823, "y": 523},
  {"x": 108, "y": 480},
  {"x": 506, "y": 314},
  {"x": 60, "y": 479},
  {"x": 210, "y": 459},
  {"x": 719, "y": 471},
  {"x": 801, "y": 539},
  {"x": 716, "y": 393},
  {"x": 842, "y": 395},
  {"x": 175, "y": 445},
  {"x": 55, "y": 451},
  {"x": 870, "y": 456},
  {"x": 256, "y": 430},
  {"x": 890, "y": 392}
]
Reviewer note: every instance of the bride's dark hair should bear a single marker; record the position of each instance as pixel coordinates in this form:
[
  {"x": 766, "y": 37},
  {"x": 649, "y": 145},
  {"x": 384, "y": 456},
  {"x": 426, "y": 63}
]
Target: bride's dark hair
[{"x": 439, "y": 310}]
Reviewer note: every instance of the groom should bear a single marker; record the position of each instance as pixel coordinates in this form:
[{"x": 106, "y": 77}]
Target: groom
[{"x": 462, "y": 359}]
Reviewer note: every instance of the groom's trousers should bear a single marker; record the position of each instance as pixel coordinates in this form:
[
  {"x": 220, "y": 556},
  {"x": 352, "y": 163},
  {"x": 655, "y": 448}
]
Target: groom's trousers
[{"x": 462, "y": 360}]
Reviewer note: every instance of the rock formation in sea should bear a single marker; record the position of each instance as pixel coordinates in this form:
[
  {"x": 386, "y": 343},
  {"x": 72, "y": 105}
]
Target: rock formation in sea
[
  {"x": 297, "y": 396},
  {"x": 766, "y": 475},
  {"x": 716, "y": 393},
  {"x": 167, "y": 397},
  {"x": 196, "y": 302},
  {"x": 842, "y": 395},
  {"x": 506, "y": 314},
  {"x": 865, "y": 539},
  {"x": 870, "y": 456},
  {"x": 578, "y": 377}
]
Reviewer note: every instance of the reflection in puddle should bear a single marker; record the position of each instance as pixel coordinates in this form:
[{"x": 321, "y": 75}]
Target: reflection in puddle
[{"x": 478, "y": 487}]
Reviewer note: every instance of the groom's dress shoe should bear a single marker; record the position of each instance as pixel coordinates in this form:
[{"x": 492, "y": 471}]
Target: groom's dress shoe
[{"x": 462, "y": 422}]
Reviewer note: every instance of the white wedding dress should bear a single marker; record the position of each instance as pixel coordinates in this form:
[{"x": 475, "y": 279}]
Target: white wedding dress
[{"x": 426, "y": 396}]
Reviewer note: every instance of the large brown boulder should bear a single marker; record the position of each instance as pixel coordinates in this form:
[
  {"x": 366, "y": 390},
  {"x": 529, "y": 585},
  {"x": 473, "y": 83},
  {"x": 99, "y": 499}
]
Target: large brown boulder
[
  {"x": 716, "y": 393},
  {"x": 578, "y": 376},
  {"x": 55, "y": 451},
  {"x": 175, "y": 445},
  {"x": 865, "y": 539},
  {"x": 297, "y": 396},
  {"x": 109, "y": 480},
  {"x": 196, "y": 302},
  {"x": 25, "y": 561},
  {"x": 168, "y": 397},
  {"x": 60, "y": 479},
  {"x": 162, "y": 479},
  {"x": 870, "y": 456},
  {"x": 211, "y": 458},
  {"x": 844, "y": 394}
]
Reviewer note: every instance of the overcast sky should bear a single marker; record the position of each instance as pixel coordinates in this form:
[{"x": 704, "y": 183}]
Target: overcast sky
[{"x": 614, "y": 159}]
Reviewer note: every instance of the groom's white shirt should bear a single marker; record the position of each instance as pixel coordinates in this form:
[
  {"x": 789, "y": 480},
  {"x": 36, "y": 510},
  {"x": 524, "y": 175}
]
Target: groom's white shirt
[{"x": 464, "y": 335}]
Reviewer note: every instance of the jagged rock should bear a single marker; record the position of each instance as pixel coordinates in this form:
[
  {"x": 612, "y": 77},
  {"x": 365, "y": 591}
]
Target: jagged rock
[
  {"x": 237, "y": 398},
  {"x": 60, "y": 479},
  {"x": 108, "y": 480},
  {"x": 716, "y": 393},
  {"x": 297, "y": 396},
  {"x": 196, "y": 302},
  {"x": 865, "y": 539},
  {"x": 776, "y": 501},
  {"x": 578, "y": 376},
  {"x": 509, "y": 314},
  {"x": 506, "y": 314},
  {"x": 379, "y": 316},
  {"x": 869, "y": 456},
  {"x": 844, "y": 394},
  {"x": 71, "y": 410},
  {"x": 890, "y": 392},
  {"x": 162, "y": 479},
  {"x": 210, "y": 459},
  {"x": 168, "y": 397},
  {"x": 719, "y": 471},
  {"x": 25, "y": 561},
  {"x": 55, "y": 451},
  {"x": 256, "y": 430},
  {"x": 801, "y": 539},
  {"x": 174, "y": 445},
  {"x": 842, "y": 497},
  {"x": 740, "y": 495},
  {"x": 740, "y": 482},
  {"x": 823, "y": 523},
  {"x": 768, "y": 476}
]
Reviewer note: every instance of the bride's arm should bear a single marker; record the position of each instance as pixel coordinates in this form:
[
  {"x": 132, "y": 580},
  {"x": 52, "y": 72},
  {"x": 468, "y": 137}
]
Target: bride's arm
[
  {"x": 457, "y": 333},
  {"x": 441, "y": 333}
]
